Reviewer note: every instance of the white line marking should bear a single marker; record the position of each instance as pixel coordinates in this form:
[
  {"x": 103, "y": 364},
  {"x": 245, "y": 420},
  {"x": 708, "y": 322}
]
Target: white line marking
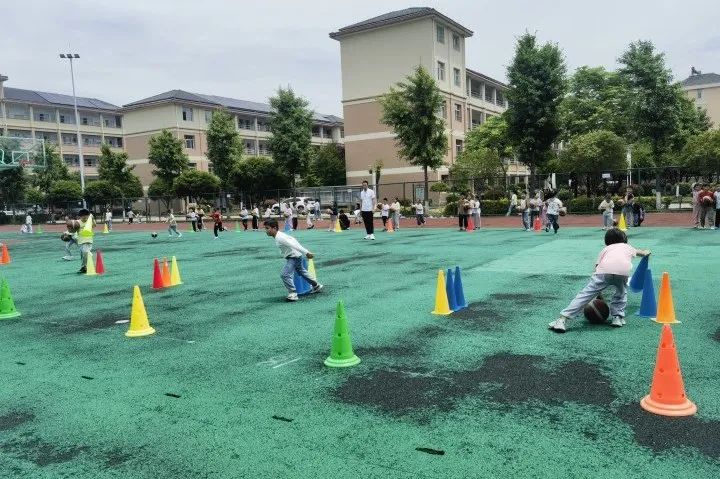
[{"x": 285, "y": 364}]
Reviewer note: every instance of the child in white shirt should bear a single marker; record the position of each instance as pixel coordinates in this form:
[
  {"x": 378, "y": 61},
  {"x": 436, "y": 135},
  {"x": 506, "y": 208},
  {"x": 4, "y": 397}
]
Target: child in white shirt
[
  {"x": 606, "y": 206},
  {"x": 385, "y": 213},
  {"x": 553, "y": 205},
  {"x": 420, "y": 213}
]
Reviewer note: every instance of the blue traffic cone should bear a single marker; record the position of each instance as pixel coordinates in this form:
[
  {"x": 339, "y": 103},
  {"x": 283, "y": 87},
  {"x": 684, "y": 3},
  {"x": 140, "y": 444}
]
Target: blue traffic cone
[
  {"x": 287, "y": 228},
  {"x": 459, "y": 292},
  {"x": 638, "y": 277},
  {"x": 648, "y": 305},
  {"x": 450, "y": 289},
  {"x": 301, "y": 284}
]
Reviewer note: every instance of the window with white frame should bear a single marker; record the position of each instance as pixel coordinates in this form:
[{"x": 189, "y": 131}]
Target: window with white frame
[
  {"x": 208, "y": 116},
  {"x": 440, "y": 33},
  {"x": 458, "y": 112},
  {"x": 456, "y": 41},
  {"x": 456, "y": 77},
  {"x": 441, "y": 71},
  {"x": 458, "y": 146},
  {"x": 190, "y": 142},
  {"x": 443, "y": 110},
  {"x": 187, "y": 114},
  {"x": 699, "y": 94}
]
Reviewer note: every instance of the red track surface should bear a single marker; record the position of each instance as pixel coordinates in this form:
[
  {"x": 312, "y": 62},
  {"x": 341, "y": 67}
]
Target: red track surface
[{"x": 682, "y": 219}]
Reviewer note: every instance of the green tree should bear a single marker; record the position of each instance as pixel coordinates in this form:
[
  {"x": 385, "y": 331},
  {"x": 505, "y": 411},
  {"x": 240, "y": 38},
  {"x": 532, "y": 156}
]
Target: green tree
[
  {"x": 161, "y": 189},
  {"x": 197, "y": 185},
  {"x": 594, "y": 102},
  {"x": 113, "y": 168},
  {"x": 327, "y": 165},
  {"x": 702, "y": 153},
  {"x": 591, "y": 154},
  {"x": 258, "y": 174},
  {"x": 102, "y": 193},
  {"x": 492, "y": 135},
  {"x": 476, "y": 164},
  {"x": 411, "y": 109},
  {"x": 55, "y": 170},
  {"x": 34, "y": 196},
  {"x": 167, "y": 156},
  {"x": 224, "y": 146},
  {"x": 537, "y": 86},
  {"x": 291, "y": 125},
  {"x": 64, "y": 191},
  {"x": 13, "y": 183}
]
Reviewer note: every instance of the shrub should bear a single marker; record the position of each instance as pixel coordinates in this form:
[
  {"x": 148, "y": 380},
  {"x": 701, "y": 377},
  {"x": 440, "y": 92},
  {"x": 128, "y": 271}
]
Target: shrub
[
  {"x": 405, "y": 202},
  {"x": 494, "y": 207},
  {"x": 439, "y": 187},
  {"x": 564, "y": 195},
  {"x": 494, "y": 193},
  {"x": 685, "y": 189}
]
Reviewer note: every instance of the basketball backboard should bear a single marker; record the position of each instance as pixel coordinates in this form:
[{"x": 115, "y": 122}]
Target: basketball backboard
[{"x": 23, "y": 152}]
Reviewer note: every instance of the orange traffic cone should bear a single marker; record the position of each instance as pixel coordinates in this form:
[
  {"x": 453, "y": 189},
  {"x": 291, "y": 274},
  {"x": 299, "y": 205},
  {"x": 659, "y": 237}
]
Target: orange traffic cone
[
  {"x": 99, "y": 264},
  {"x": 667, "y": 392},
  {"x": 537, "y": 226},
  {"x": 665, "y": 308},
  {"x": 5, "y": 257},
  {"x": 390, "y": 228},
  {"x": 470, "y": 224},
  {"x": 166, "y": 278},
  {"x": 157, "y": 276}
]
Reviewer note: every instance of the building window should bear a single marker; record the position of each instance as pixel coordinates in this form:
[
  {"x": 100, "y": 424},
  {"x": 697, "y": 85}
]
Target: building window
[
  {"x": 488, "y": 94},
  {"x": 190, "y": 142},
  {"x": 69, "y": 139},
  {"x": 208, "y": 116},
  {"x": 458, "y": 112},
  {"x": 316, "y": 131},
  {"x": 92, "y": 140},
  {"x": 20, "y": 133},
  {"x": 47, "y": 136},
  {"x": 327, "y": 132},
  {"x": 456, "y": 76},
  {"x": 262, "y": 126},
  {"x": 192, "y": 166},
  {"x": 342, "y": 132},
  {"x": 114, "y": 141},
  {"x": 71, "y": 160},
  {"x": 456, "y": 41},
  {"x": 118, "y": 122},
  {"x": 67, "y": 117},
  {"x": 440, "y": 33},
  {"x": 246, "y": 124},
  {"x": 458, "y": 146},
  {"x": 90, "y": 160},
  {"x": 187, "y": 114},
  {"x": 499, "y": 99},
  {"x": 443, "y": 110},
  {"x": 18, "y": 112},
  {"x": 699, "y": 94},
  {"x": 441, "y": 71},
  {"x": 44, "y": 116}
]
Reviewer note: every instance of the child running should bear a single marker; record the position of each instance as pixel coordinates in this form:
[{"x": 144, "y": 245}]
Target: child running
[
  {"x": 420, "y": 213},
  {"x": 293, "y": 252},
  {"x": 172, "y": 225},
  {"x": 217, "y": 217},
  {"x": 333, "y": 212},
  {"x": 613, "y": 268},
  {"x": 606, "y": 206},
  {"x": 552, "y": 206},
  {"x": 108, "y": 219}
]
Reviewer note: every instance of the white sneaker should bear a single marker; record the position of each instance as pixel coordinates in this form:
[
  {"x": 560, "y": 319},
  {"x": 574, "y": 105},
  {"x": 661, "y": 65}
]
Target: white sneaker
[
  {"x": 617, "y": 322},
  {"x": 317, "y": 288},
  {"x": 180, "y": 235},
  {"x": 712, "y": 228},
  {"x": 367, "y": 237},
  {"x": 372, "y": 237},
  {"x": 68, "y": 258},
  {"x": 558, "y": 325},
  {"x": 292, "y": 297}
]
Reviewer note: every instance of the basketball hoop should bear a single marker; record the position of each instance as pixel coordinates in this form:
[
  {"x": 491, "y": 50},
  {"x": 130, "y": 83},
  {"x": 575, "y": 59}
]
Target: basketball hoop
[{"x": 24, "y": 163}]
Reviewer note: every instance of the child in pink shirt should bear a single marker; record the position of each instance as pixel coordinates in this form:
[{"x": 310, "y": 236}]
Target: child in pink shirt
[{"x": 613, "y": 268}]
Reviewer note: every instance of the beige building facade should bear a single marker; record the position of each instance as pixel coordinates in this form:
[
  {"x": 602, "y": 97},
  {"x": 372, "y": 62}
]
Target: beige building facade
[
  {"x": 378, "y": 53},
  {"x": 704, "y": 90},
  {"x": 188, "y": 115},
  {"x": 51, "y": 117}
]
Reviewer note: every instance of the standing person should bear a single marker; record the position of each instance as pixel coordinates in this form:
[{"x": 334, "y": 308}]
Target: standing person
[
  {"x": 28, "y": 223},
  {"x": 255, "y": 217},
  {"x": 696, "y": 205},
  {"x": 217, "y": 217},
  {"x": 367, "y": 208},
  {"x": 244, "y": 217},
  {"x": 717, "y": 207},
  {"x": 395, "y": 212},
  {"x": 85, "y": 237},
  {"x": 108, "y": 219},
  {"x": 292, "y": 251},
  {"x": 70, "y": 236},
  {"x": 200, "y": 216},
  {"x": 192, "y": 216},
  {"x": 628, "y": 207},
  {"x": 294, "y": 215},
  {"x": 172, "y": 225},
  {"x": 706, "y": 201},
  {"x": 612, "y": 268},
  {"x": 476, "y": 212},
  {"x": 463, "y": 207},
  {"x": 385, "y": 213},
  {"x": 606, "y": 206},
  {"x": 553, "y": 204},
  {"x": 333, "y": 212},
  {"x": 513, "y": 203},
  {"x": 309, "y": 219},
  {"x": 310, "y": 209},
  {"x": 318, "y": 210},
  {"x": 420, "y": 213},
  {"x": 473, "y": 211},
  {"x": 130, "y": 215},
  {"x": 534, "y": 208},
  {"x": 523, "y": 207}
]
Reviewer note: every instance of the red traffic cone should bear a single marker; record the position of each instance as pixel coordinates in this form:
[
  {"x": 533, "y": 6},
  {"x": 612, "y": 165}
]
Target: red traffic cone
[
  {"x": 99, "y": 265},
  {"x": 537, "y": 226},
  {"x": 470, "y": 224},
  {"x": 157, "y": 276}
]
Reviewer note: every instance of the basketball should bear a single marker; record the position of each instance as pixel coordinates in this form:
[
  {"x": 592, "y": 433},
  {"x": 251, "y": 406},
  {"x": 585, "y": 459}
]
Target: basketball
[
  {"x": 597, "y": 311},
  {"x": 73, "y": 226},
  {"x": 563, "y": 211},
  {"x": 153, "y": 234},
  {"x": 707, "y": 200}
]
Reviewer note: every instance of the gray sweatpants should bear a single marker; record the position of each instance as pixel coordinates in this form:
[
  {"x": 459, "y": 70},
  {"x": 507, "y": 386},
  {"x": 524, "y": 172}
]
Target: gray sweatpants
[
  {"x": 608, "y": 219},
  {"x": 85, "y": 250},
  {"x": 598, "y": 282}
]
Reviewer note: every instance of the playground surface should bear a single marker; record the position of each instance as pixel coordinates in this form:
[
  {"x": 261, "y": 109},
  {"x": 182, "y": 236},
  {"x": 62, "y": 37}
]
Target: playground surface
[{"x": 233, "y": 384}]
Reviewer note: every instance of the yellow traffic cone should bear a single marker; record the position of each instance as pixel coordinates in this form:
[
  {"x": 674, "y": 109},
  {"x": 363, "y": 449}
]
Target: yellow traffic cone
[
  {"x": 337, "y": 226},
  {"x": 90, "y": 265},
  {"x": 442, "y": 307},
  {"x": 139, "y": 324},
  {"x": 175, "y": 273},
  {"x": 622, "y": 225},
  {"x": 105, "y": 229},
  {"x": 311, "y": 269}
]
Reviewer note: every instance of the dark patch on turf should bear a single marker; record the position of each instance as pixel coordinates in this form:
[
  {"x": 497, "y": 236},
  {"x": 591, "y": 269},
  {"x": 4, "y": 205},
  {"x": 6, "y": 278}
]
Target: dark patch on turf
[
  {"x": 43, "y": 453},
  {"x": 14, "y": 419},
  {"x": 116, "y": 457},
  {"x": 507, "y": 380},
  {"x": 117, "y": 293},
  {"x": 660, "y": 433},
  {"x": 227, "y": 252},
  {"x": 716, "y": 337},
  {"x": 405, "y": 350},
  {"x": 283, "y": 419},
  {"x": 482, "y": 315},
  {"x": 428, "y": 450}
]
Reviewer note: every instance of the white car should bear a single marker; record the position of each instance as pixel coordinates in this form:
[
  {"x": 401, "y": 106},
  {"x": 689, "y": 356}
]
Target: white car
[{"x": 300, "y": 203}]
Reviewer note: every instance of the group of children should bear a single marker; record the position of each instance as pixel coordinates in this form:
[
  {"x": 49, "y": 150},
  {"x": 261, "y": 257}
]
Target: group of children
[
  {"x": 547, "y": 208},
  {"x": 706, "y": 206}
]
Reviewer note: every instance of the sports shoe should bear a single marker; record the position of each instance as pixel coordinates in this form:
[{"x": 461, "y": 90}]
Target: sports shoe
[
  {"x": 317, "y": 288},
  {"x": 180, "y": 235},
  {"x": 558, "y": 325},
  {"x": 372, "y": 237},
  {"x": 82, "y": 270},
  {"x": 712, "y": 228},
  {"x": 617, "y": 321},
  {"x": 68, "y": 258},
  {"x": 367, "y": 237},
  {"x": 292, "y": 297}
]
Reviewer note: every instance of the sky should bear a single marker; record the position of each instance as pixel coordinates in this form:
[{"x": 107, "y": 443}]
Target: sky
[{"x": 133, "y": 49}]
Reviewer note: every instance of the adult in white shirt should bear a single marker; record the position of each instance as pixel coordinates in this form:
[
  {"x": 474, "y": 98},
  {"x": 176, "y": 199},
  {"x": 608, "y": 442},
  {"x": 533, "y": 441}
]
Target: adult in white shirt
[
  {"x": 130, "y": 216},
  {"x": 367, "y": 207},
  {"x": 108, "y": 219},
  {"x": 395, "y": 212},
  {"x": 255, "y": 217},
  {"x": 475, "y": 208},
  {"x": 513, "y": 204}
]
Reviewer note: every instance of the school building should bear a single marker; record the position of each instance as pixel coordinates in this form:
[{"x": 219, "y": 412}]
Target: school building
[{"x": 704, "y": 90}]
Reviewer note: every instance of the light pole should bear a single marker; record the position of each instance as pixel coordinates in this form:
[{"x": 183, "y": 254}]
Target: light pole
[
  {"x": 71, "y": 57},
  {"x": 3, "y": 79}
]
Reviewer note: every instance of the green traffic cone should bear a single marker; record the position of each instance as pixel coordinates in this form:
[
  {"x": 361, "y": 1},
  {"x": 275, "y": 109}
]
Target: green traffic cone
[
  {"x": 237, "y": 226},
  {"x": 7, "y": 305},
  {"x": 39, "y": 230},
  {"x": 341, "y": 352}
]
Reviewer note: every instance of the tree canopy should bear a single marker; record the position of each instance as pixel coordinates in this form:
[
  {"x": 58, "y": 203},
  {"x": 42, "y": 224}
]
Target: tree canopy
[
  {"x": 167, "y": 156},
  {"x": 224, "y": 146},
  {"x": 291, "y": 125},
  {"x": 197, "y": 185}
]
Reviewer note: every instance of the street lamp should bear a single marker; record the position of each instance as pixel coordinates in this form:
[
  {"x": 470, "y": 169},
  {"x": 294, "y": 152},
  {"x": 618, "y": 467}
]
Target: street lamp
[
  {"x": 71, "y": 57},
  {"x": 3, "y": 79}
]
